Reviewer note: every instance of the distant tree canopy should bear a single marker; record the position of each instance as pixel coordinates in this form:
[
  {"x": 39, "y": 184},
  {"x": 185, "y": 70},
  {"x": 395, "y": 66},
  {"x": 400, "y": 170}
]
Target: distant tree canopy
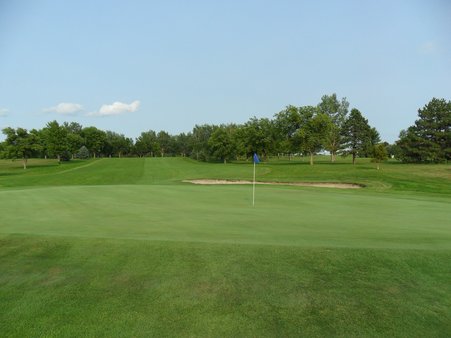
[
  {"x": 429, "y": 139},
  {"x": 307, "y": 130}
]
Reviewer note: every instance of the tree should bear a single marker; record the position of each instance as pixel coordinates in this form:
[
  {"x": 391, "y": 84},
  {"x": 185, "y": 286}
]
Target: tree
[
  {"x": 55, "y": 139},
  {"x": 83, "y": 153},
  {"x": 74, "y": 138},
  {"x": 429, "y": 139},
  {"x": 125, "y": 146},
  {"x": 73, "y": 127},
  {"x": 379, "y": 153},
  {"x": 355, "y": 134},
  {"x": 146, "y": 143},
  {"x": 373, "y": 139},
  {"x": 222, "y": 143},
  {"x": 315, "y": 126},
  {"x": 95, "y": 140},
  {"x": 40, "y": 134},
  {"x": 117, "y": 144},
  {"x": 257, "y": 136},
  {"x": 287, "y": 123},
  {"x": 74, "y": 142},
  {"x": 337, "y": 111},
  {"x": 20, "y": 143},
  {"x": 200, "y": 136},
  {"x": 2, "y": 150},
  {"x": 183, "y": 144},
  {"x": 164, "y": 142}
]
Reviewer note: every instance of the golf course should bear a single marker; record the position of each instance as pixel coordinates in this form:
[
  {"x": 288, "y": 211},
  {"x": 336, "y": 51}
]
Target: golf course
[{"x": 126, "y": 247}]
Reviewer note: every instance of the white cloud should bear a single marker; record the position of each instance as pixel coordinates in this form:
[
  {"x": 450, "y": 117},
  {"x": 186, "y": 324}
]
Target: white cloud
[
  {"x": 116, "y": 108},
  {"x": 3, "y": 112},
  {"x": 64, "y": 108}
]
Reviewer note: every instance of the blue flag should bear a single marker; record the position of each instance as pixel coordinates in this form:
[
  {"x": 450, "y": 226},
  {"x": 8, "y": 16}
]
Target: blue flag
[{"x": 256, "y": 159}]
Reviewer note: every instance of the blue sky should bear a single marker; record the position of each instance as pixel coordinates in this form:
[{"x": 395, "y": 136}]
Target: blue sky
[{"x": 131, "y": 66}]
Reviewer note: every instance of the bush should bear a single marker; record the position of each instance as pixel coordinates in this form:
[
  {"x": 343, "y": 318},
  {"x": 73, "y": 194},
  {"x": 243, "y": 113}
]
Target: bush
[
  {"x": 66, "y": 156},
  {"x": 83, "y": 153}
]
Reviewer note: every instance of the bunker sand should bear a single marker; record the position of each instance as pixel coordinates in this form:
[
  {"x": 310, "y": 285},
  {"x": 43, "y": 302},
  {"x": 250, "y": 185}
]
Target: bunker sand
[{"x": 299, "y": 184}]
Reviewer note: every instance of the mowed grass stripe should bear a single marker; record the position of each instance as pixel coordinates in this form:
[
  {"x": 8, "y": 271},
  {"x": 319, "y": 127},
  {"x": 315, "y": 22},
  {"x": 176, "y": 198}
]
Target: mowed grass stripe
[{"x": 282, "y": 215}]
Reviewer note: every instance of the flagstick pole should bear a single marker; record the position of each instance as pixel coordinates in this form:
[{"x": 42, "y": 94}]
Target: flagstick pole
[{"x": 253, "y": 189}]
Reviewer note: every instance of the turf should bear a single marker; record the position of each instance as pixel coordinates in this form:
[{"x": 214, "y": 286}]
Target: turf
[
  {"x": 121, "y": 247},
  {"x": 393, "y": 177}
]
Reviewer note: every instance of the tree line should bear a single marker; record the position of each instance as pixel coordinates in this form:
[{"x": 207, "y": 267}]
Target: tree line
[{"x": 306, "y": 130}]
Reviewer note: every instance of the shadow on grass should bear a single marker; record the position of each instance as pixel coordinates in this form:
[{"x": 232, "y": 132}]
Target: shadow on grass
[{"x": 9, "y": 174}]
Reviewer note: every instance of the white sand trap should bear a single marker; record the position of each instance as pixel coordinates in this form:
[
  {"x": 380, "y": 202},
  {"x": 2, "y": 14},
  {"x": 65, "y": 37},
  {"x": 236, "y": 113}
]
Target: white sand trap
[{"x": 299, "y": 184}]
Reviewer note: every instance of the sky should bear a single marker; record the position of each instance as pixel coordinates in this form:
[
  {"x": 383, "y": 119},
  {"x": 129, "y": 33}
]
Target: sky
[{"x": 132, "y": 66}]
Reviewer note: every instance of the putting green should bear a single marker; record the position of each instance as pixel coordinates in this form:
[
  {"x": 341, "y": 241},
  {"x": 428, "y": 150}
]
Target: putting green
[{"x": 282, "y": 215}]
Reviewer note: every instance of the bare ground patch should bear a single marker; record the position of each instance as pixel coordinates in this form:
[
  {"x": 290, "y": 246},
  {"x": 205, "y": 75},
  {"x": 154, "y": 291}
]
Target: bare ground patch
[{"x": 299, "y": 184}]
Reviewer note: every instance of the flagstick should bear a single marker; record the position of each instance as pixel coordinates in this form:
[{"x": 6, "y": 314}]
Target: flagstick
[{"x": 253, "y": 189}]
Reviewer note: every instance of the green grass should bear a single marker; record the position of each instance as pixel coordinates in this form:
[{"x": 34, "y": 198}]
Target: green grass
[
  {"x": 121, "y": 247},
  {"x": 393, "y": 177}
]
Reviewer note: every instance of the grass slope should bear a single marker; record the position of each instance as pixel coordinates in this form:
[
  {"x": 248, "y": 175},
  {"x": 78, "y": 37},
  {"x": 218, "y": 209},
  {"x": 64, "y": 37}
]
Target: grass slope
[
  {"x": 393, "y": 176},
  {"x": 120, "y": 247}
]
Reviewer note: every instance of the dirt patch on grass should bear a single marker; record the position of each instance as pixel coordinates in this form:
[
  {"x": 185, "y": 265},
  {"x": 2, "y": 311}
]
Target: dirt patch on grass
[{"x": 299, "y": 184}]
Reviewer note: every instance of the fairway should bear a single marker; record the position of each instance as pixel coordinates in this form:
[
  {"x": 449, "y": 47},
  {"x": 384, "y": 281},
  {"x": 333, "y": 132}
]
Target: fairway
[{"x": 122, "y": 247}]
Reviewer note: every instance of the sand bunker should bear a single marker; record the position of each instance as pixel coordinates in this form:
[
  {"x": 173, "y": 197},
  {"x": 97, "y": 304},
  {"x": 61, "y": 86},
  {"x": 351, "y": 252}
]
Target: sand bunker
[{"x": 299, "y": 184}]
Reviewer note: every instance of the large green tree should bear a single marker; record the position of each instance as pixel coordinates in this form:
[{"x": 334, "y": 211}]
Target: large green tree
[
  {"x": 164, "y": 142},
  {"x": 200, "y": 136},
  {"x": 74, "y": 143},
  {"x": 117, "y": 144},
  {"x": 356, "y": 134},
  {"x": 222, "y": 143},
  {"x": 314, "y": 128},
  {"x": 19, "y": 143},
  {"x": 146, "y": 143},
  {"x": 183, "y": 144},
  {"x": 74, "y": 137},
  {"x": 95, "y": 140},
  {"x": 257, "y": 136},
  {"x": 55, "y": 139},
  {"x": 337, "y": 110},
  {"x": 287, "y": 123},
  {"x": 372, "y": 140},
  {"x": 429, "y": 139}
]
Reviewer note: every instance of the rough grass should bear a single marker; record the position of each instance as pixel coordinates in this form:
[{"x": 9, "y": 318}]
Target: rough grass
[{"x": 120, "y": 247}]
